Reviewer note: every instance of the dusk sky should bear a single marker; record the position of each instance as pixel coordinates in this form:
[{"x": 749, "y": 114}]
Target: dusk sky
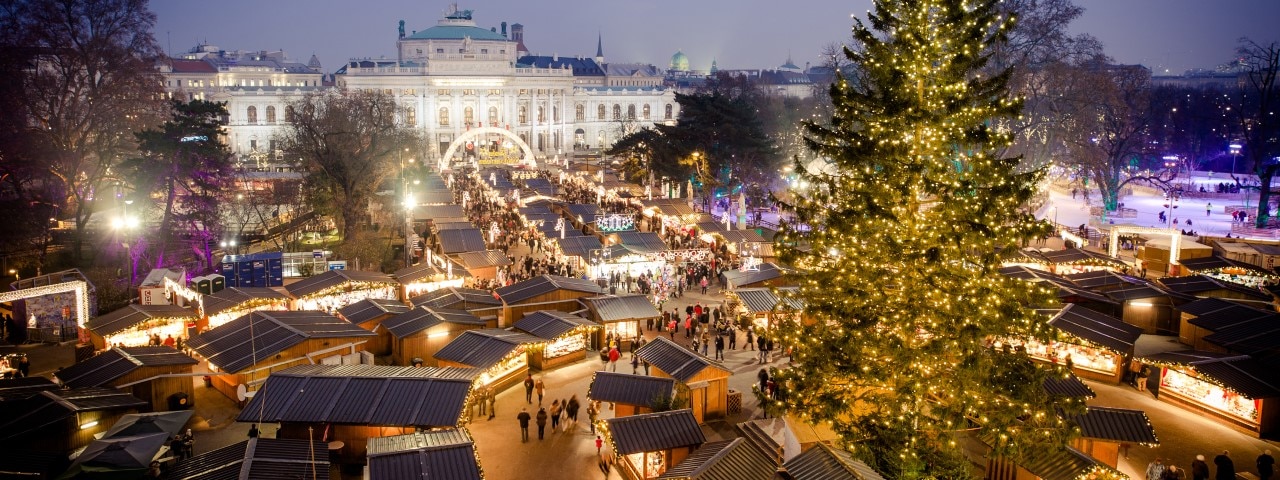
[{"x": 1163, "y": 34}]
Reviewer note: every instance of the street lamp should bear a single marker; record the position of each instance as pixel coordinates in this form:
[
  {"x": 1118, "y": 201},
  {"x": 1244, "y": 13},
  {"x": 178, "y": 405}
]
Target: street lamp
[
  {"x": 124, "y": 223},
  {"x": 409, "y": 203},
  {"x": 1235, "y": 153}
]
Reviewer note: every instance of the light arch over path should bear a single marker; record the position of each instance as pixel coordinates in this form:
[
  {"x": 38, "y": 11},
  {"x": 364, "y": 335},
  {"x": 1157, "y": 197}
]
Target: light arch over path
[{"x": 483, "y": 131}]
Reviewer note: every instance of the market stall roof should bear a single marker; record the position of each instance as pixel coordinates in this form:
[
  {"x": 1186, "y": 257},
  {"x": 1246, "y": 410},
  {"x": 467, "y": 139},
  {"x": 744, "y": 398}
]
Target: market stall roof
[
  {"x": 117, "y": 362},
  {"x": 232, "y": 297},
  {"x": 484, "y": 348},
  {"x": 761, "y": 300},
  {"x": 1065, "y": 464},
  {"x": 1023, "y": 272},
  {"x": 451, "y": 224},
  {"x": 1239, "y": 373},
  {"x": 363, "y": 395},
  {"x": 35, "y": 415},
  {"x": 579, "y": 246},
  {"x": 371, "y": 308},
  {"x": 614, "y": 308},
  {"x": 738, "y": 236},
  {"x": 133, "y": 314},
  {"x": 544, "y": 284},
  {"x": 669, "y": 206},
  {"x": 434, "y": 212},
  {"x": 824, "y": 462},
  {"x": 627, "y": 389},
  {"x": 710, "y": 226},
  {"x": 735, "y": 459},
  {"x": 1194, "y": 284},
  {"x": 768, "y": 271},
  {"x": 543, "y": 220},
  {"x": 423, "y": 272},
  {"x": 1206, "y": 306},
  {"x": 1145, "y": 291},
  {"x": 1097, "y": 328},
  {"x": 258, "y": 458},
  {"x": 1120, "y": 425},
  {"x": 156, "y": 277},
  {"x": 434, "y": 197},
  {"x": 653, "y": 432},
  {"x": 245, "y": 341},
  {"x": 1217, "y": 263},
  {"x": 583, "y": 212},
  {"x": 1102, "y": 279},
  {"x": 461, "y": 240},
  {"x": 22, "y": 388},
  {"x": 422, "y": 318},
  {"x": 456, "y": 298},
  {"x": 551, "y": 324},
  {"x": 642, "y": 242},
  {"x": 1257, "y": 336},
  {"x": 169, "y": 423},
  {"x": 333, "y": 278},
  {"x": 541, "y": 185},
  {"x": 444, "y": 454},
  {"x": 483, "y": 259},
  {"x": 1266, "y": 249},
  {"x": 677, "y": 361},
  {"x": 1069, "y": 386},
  {"x": 1081, "y": 256},
  {"x": 538, "y": 209},
  {"x": 1233, "y": 316}
]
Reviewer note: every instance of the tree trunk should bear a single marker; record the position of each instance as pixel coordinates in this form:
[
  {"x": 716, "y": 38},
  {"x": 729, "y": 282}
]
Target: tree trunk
[
  {"x": 165, "y": 225},
  {"x": 1264, "y": 198},
  {"x": 351, "y": 213}
]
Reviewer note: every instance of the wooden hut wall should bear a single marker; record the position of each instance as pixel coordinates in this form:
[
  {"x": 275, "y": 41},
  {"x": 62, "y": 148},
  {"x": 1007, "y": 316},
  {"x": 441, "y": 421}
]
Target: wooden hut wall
[
  {"x": 484, "y": 273},
  {"x": 708, "y": 392},
  {"x": 559, "y": 300},
  {"x": 289, "y": 357},
  {"x": 157, "y": 390},
  {"x": 76, "y": 437},
  {"x": 381, "y": 344},
  {"x": 355, "y": 438},
  {"x": 1158, "y": 319},
  {"x": 500, "y": 384},
  {"x": 1268, "y": 415},
  {"x": 423, "y": 345},
  {"x": 596, "y": 340},
  {"x": 1105, "y": 451}
]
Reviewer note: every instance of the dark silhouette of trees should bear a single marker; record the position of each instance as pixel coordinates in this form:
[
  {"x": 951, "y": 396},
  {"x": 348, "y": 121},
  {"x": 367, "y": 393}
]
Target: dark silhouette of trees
[{"x": 1256, "y": 118}]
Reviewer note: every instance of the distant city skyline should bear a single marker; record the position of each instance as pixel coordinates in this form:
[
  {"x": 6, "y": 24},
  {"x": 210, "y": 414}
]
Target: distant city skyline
[{"x": 1169, "y": 36}]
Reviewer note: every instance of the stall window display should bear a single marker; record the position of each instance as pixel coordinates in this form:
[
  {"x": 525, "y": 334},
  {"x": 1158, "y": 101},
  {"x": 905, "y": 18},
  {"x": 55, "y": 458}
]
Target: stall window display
[
  {"x": 621, "y": 330},
  {"x": 1082, "y": 357},
  {"x": 653, "y": 464},
  {"x": 513, "y": 362},
  {"x": 221, "y": 318},
  {"x": 1209, "y": 395},
  {"x": 332, "y": 302},
  {"x": 415, "y": 289},
  {"x": 565, "y": 345}
]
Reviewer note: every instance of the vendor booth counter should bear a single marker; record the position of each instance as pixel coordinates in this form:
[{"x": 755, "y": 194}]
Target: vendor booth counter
[{"x": 1235, "y": 390}]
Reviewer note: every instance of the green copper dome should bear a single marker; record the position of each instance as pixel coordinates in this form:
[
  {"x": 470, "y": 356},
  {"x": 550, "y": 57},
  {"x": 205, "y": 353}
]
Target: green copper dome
[{"x": 679, "y": 62}]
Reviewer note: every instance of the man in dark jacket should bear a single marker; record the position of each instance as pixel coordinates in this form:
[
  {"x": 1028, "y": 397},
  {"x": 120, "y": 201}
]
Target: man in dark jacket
[
  {"x": 523, "y": 417},
  {"x": 542, "y": 422},
  {"x": 1226, "y": 468},
  {"x": 1266, "y": 465},
  {"x": 528, "y": 389},
  {"x": 1199, "y": 469}
]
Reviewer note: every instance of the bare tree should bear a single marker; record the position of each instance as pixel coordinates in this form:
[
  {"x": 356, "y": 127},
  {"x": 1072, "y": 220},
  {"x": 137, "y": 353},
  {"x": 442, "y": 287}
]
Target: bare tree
[
  {"x": 351, "y": 141},
  {"x": 1260, "y": 97}
]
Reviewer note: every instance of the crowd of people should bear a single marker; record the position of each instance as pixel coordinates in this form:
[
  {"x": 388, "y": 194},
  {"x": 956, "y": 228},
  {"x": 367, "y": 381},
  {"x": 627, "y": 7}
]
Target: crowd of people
[{"x": 1224, "y": 468}]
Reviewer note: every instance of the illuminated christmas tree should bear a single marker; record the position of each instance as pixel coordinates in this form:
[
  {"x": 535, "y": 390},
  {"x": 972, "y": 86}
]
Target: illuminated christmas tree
[{"x": 898, "y": 240}]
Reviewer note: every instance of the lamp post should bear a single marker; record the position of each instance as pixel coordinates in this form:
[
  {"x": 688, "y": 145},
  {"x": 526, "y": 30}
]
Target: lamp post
[
  {"x": 123, "y": 224},
  {"x": 409, "y": 203},
  {"x": 1235, "y": 154}
]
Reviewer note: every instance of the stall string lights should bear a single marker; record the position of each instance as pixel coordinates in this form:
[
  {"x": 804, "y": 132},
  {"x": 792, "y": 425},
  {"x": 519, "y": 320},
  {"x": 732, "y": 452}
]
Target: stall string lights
[{"x": 80, "y": 287}]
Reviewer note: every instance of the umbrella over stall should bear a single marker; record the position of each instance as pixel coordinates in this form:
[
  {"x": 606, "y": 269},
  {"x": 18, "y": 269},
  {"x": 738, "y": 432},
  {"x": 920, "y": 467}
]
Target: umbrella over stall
[
  {"x": 113, "y": 457},
  {"x": 169, "y": 423}
]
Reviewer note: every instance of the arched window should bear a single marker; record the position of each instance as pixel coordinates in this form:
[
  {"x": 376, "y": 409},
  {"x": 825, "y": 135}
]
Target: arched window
[
  {"x": 631, "y": 112},
  {"x": 542, "y": 114},
  {"x": 524, "y": 115},
  {"x": 617, "y": 112},
  {"x": 271, "y": 114},
  {"x": 410, "y": 116},
  {"x": 468, "y": 116},
  {"x": 600, "y": 113},
  {"x": 493, "y": 116},
  {"x": 579, "y": 113},
  {"x": 251, "y": 114},
  {"x": 444, "y": 116},
  {"x": 288, "y": 113},
  {"x": 645, "y": 111},
  {"x": 667, "y": 113}
]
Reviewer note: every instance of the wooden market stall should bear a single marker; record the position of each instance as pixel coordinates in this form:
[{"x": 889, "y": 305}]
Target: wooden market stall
[
  {"x": 501, "y": 355},
  {"x": 1103, "y": 431},
  {"x": 1149, "y": 307},
  {"x": 370, "y": 314},
  {"x": 766, "y": 275},
  {"x": 1219, "y": 325},
  {"x": 235, "y": 302},
  {"x": 1065, "y": 463},
  {"x": 1203, "y": 286},
  {"x": 1101, "y": 281},
  {"x": 63, "y": 420},
  {"x": 354, "y": 403},
  {"x": 460, "y": 240},
  {"x": 630, "y": 394},
  {"x": 620, "y": 315},
  {"x": 433, "y": 273},
  {"x": 134, "y": 325},
  {"x": 763, "y": 308},
  {"x": 445, "y": 454},
  {"x": 258, "y": 457},
  {"x": 1077, "y": 260},
  {"x": 647, "y": 445},
  {"x": 1097, "y": 345},
  {"x": 1155, "y": 254},
  {"x": 707, "y": 381},
  {"x": 159, "y": 375},
  {"x": 565, "y": 336},
  {"x": 1228, "y": 270},
  {"x": 824, "y": 462},
  {"x": 544, "y": 292},
  {"x": 482, "y": 303},
  {"x": 736, "y": 459},
  {"x": 1235, "y": 390},
  {"x": 335, "y": 289},
  {"x": 483, "y": 264},
  {"x": 421, "y": 332},
  {"x": 246, "y": 350}
]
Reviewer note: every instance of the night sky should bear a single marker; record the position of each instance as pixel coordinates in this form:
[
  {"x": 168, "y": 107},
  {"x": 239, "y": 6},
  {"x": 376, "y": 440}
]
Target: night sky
[{"x": 1167, "y": 35}]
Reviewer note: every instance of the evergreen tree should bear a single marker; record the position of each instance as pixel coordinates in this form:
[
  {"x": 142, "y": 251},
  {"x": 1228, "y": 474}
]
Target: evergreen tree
[{"x": 898, "y": 251}]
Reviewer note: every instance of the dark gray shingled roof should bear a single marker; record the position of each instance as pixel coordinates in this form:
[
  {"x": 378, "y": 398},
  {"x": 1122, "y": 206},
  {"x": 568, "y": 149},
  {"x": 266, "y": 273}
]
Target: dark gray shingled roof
[
  {"x": 256, "y": 459},
  {"x": 109, "y": 365},
  {"x": 1079, "y": 255},
  {"x": 1097, "y": 328},
  {"x": 483, "y": 259},
  {"x": 422, "y": 318},
  {"x": 551, "y": 324},
  {"x": 824, "y": 462},
  {"x": 613, "y": 308},
  {"x": 724, "y": 460},
  {"x": 363, "y": 395},
  {"x": 652, "y": 432},
  {"x": 1069, "y": 386},
  {"x": 767, "y": 271},
  {"x": 371, "y": 309},
  {"x": 442, "y": 454},
  {"x": 578, "y": 246},
  {"x": 679, "y": 362},
  {"x": 425, "y": 270},
  {"x": 432, "y": 212},
  {"x": 1194, "y": 284},
  {"x": 133, "y": 314},
  {"x": 1213, "y": 263},
  {"x": 1117, "y": 425},
  {"x": 461, "y": 240},
  {"x": 23, "y": 388},
  {"x": 484, "y": 348},
  {"x": 643, "y": 242},
  {"x": 627, "y": 389},
  {"x": 332, "y": 278},
  {"x": 456, "y": 298},
  {"x": 229, "y": 298},
  {"x": 544, "y": 284},
  {"x": 1066, "y": 464},
  {"x": 1207, "y": 305},
  {"x": 1102, "y": 278},
  {"x": 51, "y": 407},
  {"x": 232, "y": 346}
]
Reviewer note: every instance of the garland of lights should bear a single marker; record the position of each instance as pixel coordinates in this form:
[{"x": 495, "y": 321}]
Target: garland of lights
[{"x": 80, "y": 287}]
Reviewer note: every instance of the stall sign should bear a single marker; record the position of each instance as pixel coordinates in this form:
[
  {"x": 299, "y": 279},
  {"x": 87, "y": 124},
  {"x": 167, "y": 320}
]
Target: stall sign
[
  {"x": 338, "y": 265},
  {"x": 690, "y": 255},
  {"x": 615, "y": 223}
]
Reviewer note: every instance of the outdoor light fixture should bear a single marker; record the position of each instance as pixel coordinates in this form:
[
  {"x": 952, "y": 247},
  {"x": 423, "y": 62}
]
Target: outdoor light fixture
[
  {"x": 438, "y": 335},
  {"x": 86, "y": 426},
  {"x": 1140, "y": 304}
]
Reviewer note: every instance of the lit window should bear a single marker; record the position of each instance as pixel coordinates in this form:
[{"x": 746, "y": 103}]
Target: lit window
[
  {"x": 271, "y": 114},
  {"x": 411, "y": 116},
  {"x": 493, "y": 116},
  {"x": 251, "y": 114},
  {"x": 444, "y": 116},
  {"x": 468, "y": 116},
  {"x": 600, "y": 112},
  {"x": 580, "y": 113},
  {"x": 617, "y": 112},
  {"x": 645, "y": 112}
]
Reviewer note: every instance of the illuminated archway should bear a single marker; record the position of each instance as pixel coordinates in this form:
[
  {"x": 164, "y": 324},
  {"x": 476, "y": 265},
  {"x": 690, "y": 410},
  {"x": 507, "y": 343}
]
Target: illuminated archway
[
  {"x": 80, "y": 287},
  {"x": 476, "y": 133},
  {"x": 1175, "y": 239}
]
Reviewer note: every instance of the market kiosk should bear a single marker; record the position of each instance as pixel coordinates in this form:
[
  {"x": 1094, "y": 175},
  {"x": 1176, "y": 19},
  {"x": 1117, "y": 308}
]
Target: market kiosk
[
  {"x": 544, "y": 292},
  {"x": 235, "y": 302},
  {"x": 620, "y": 315},
  {"x": 1097, "y": 345},
  {"x": 419, "y": 333},
  {"x": 707, "y": 381},
  {"x": 370, "y": 314},
  {"x": 1079, "y": 260},
  {"x": 501, "y": 355},
  {"x": 630, "y": 394},
  {"x": 161, "y": 376},
  {"x": 434, "y": 273},
  {"x": 1226, "y": 269},
  {"x": 762, "y": 308},
  {"x": 1236, "y": 390},
  {"x": 647, "y": 445},
  {"x": 565, "y": 335},
  {"x": 335, "y": 289},
  {"x": 1104, "y": 430},
  {"x": 134, "y": 325},
  {"x": 484, "y": 264}
]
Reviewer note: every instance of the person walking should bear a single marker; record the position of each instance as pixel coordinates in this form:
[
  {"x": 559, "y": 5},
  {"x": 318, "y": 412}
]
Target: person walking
[
  {"x": 1155, "y": 469},
  {"x": 1226, "y": 468},
  {"x": 555, "y": 415},
  {"x": 483, "y": 401},
  {"x": 542, "y": 422},
  {"x": 703, "y": 283},
  {"x": 750, "y": 338},
  {"x": 635, "y": 365},
  {"x": 760, "y": 348},
  {"x": 1172, "y": 472},
  {"x": 719, "y": 347},
  {"x": 523, "y": 417},
  {"x": 706, "y": 343},
  {"x": 768, "y": 349},
  {"x": 1199, "y": 469},
  {"x": 572, "y": 410},
  {"x": 528, "y": 389},
  {"x": 688, "y": 325},
  {"x": 592, "y": 412},
  {"x": 492, "y": 398},
  {"x": 646, "y": 366},
  {"x": 1208, "y": 207},
  {"x": 614, "y": 355},
  {"x": 733, "y": 339},
  {"x": 599, "y": 444},
  {"x": 1266, "y": 465}
]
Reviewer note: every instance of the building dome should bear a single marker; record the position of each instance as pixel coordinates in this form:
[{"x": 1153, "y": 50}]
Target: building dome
[{"x": 679, "y": 62}]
